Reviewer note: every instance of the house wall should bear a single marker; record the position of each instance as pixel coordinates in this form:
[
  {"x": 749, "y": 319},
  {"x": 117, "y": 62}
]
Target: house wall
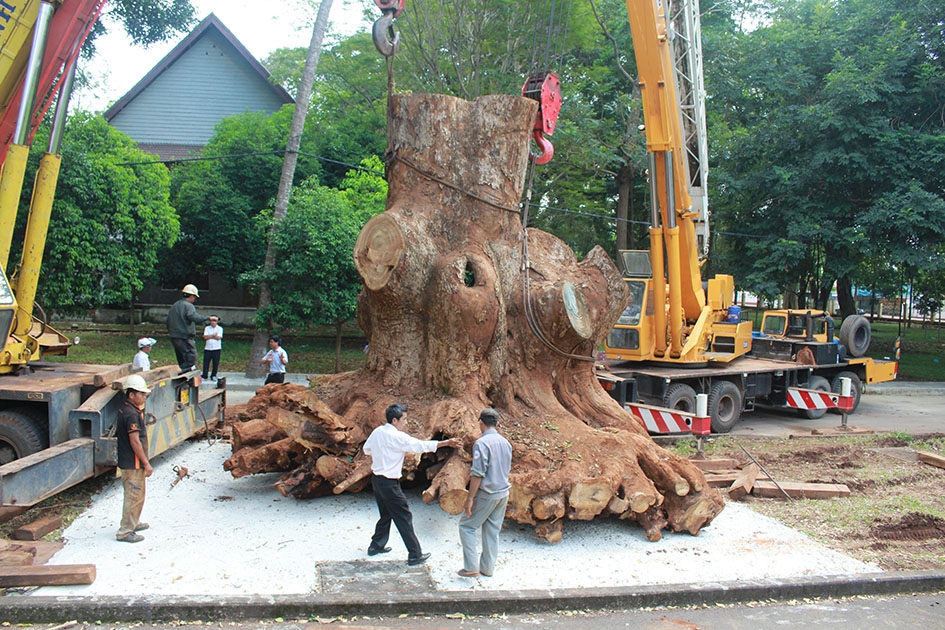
[{"x": 209, "y": 81}]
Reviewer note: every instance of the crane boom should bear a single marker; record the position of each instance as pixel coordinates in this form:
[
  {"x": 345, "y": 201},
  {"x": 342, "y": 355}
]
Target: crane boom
[{"x": 681, "y": 321}]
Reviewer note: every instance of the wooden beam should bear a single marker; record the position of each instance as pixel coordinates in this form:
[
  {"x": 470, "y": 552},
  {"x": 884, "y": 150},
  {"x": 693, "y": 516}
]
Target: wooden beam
[
  {"x": 744, "y": 482},
  {"x": 37, "y": 529},
  {"x": 721, "y": 479},
  {"x": 796, "y": 490},
  {"x": 714, "y": 463},
  {"x": 842, "y": 431},
  {"x": 47, "y": 575},
  {"x": 931, "y": 459}
]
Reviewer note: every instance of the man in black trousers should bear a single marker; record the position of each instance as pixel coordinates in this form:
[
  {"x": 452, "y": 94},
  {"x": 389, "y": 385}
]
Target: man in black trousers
[{"x": 387, "y": 446}]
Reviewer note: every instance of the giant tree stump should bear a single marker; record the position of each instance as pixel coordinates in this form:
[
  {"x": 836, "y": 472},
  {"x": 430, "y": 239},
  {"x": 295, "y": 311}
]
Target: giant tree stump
[{"x": 464, "y": 309}]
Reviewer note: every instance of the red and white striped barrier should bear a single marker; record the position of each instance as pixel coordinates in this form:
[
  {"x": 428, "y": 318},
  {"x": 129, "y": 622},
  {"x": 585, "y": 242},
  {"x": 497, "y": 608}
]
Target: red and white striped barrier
[
  {"x": 798, "y": 398},
  {"x": 660, "y": 419}
]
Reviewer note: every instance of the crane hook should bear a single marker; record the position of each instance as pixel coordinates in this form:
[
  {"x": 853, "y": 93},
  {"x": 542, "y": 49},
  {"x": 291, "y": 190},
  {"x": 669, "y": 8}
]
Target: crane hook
[
  {"x": 545, "y": 88},
  {"x": 386, "y": 39},
  {"x": 547, "y": 149}
]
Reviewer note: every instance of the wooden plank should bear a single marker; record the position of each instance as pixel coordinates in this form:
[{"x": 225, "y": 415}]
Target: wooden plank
[
  {"x": 931, "y": 458},
  {"x": 14, "y": 556},
  {"x": 42, "y": 550},
  {"x": 744, "y": 482},
  {"x": 11, "y": 512},
  {"x": 849, "y": 430},
  {"x": 37, "y": 529},
  {"x": 714, "y": 463},
  {"x": 721, "y": 479},
  {"x": 797, "y": 490},
  {"x": 47, "y": 575},
  {"x": 154, "y": 376}
]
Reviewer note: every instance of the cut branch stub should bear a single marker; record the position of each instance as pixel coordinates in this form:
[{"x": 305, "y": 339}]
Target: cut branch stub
[{"x": 460, "y": 305}]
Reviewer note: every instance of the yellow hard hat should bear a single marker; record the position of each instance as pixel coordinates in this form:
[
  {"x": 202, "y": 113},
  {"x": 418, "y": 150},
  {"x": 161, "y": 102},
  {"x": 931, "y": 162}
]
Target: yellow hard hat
[
  {"x": 190, "y": 289},
  {"x": 136, "y": 383}
]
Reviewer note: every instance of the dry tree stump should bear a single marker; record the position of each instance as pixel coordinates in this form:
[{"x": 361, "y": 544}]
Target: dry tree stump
[{"x": 464, "y": 309}]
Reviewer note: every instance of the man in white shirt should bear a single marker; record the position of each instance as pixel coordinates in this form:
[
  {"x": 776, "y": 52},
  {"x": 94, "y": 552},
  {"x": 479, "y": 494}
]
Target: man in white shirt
[
  {"x": 213, "y": 334},
  {"x": 143, "y": 358},
  {"x": 387, "y": 446},
  {"x": 277, "y": 358}
]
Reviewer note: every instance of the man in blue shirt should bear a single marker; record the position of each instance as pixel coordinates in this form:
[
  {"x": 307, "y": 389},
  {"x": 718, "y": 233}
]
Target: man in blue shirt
[{"x": 488, "y": 496}]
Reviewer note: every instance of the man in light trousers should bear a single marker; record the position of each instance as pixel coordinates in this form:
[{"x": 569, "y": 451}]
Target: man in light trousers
[{"x": 488, "y": 496}]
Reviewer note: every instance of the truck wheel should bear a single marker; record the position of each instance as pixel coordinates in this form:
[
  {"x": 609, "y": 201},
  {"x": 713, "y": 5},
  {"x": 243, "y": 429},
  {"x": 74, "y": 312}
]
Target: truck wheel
[
  {"x": 855, "y": 335},
  {"x": 681, "y": 397},
  {"x": 20, "y": 436},
  {"x": 725, "y": 406},
  {"x": 820, "y": 384},
  {"x": 856, "y": 388}
]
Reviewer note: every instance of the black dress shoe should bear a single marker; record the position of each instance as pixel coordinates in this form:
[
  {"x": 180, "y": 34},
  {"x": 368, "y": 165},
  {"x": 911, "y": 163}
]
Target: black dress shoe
[
  {"x": 373, "y": 552},
  {"x": 418, "y": 560}
]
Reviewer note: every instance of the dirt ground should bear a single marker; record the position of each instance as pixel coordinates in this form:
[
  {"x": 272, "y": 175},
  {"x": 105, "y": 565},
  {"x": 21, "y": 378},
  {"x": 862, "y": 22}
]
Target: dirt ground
[{"x": 895, "y": 514}]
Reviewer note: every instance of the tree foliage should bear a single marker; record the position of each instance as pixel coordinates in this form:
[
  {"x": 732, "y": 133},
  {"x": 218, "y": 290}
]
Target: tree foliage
[
  {"x": 316, "y": 283},
  {"x": 831, "y": 140},
  {"x": 151, "y": 21},
  {"x": 220, "y": 195},
  {"x": 110, "y": 218}
]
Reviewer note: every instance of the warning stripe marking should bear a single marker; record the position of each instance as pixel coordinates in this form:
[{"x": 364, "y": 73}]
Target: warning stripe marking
[
  {"x": 659, "y": 420},
  {"x": 812, "y": 399}
]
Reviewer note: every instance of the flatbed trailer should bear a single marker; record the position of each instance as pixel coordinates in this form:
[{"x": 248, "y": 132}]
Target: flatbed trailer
[
  {"x": 741, "y": 385},
  {"x": 57, "y": 423}
]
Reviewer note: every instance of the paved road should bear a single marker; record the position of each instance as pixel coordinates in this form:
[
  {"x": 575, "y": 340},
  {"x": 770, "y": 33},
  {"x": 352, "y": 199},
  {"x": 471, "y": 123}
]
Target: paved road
[{"x": 905, "y": 612}]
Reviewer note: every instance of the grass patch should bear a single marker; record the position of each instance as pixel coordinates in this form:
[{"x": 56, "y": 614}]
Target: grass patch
[{"x": 309, "y": 353}]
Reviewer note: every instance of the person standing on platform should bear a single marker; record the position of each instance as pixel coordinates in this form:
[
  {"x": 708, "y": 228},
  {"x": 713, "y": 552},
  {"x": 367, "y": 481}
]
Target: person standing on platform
[{"x": 182, "y": 319}]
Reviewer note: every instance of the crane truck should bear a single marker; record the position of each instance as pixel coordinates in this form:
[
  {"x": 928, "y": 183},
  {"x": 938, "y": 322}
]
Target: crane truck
[
  {"x": 57, "y": 420},
  {"x": 679, "y": 336}
]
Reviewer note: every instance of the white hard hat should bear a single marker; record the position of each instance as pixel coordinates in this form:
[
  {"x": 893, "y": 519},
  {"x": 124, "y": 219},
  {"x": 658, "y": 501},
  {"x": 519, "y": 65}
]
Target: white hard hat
[
  {"x": 144, "y": 342},
  {"x": 190, "y": 289},
  {"x": 136, "y": 382}
]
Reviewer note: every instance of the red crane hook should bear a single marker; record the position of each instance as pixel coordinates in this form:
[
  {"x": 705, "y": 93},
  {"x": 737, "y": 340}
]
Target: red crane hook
[{"x": 545, "y": 88}]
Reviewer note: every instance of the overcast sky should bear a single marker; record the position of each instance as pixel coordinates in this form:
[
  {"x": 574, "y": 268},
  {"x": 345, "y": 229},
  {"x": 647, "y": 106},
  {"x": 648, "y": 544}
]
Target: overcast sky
[{"x": 261, "y": 25}]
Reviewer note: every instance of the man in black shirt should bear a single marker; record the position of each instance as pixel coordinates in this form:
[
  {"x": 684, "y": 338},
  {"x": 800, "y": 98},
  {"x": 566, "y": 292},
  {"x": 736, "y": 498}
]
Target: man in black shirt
[{"x": 133, "y": 457}]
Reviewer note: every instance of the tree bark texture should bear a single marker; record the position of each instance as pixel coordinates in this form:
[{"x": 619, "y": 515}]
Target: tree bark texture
[{"x": 465, "y": 309}]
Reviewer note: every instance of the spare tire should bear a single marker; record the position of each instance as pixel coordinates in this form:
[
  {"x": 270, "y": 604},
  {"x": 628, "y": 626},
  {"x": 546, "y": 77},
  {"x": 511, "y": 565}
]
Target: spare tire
[{"x": 855, "y": 335}]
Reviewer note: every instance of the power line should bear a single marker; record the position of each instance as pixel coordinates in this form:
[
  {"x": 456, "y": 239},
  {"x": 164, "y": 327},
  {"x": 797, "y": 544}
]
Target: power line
[{"x": 536, "y": 206}]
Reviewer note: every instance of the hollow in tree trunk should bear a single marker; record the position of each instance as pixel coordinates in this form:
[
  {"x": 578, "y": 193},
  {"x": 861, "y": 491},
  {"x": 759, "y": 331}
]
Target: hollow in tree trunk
[{"x": 464, "y": 309}]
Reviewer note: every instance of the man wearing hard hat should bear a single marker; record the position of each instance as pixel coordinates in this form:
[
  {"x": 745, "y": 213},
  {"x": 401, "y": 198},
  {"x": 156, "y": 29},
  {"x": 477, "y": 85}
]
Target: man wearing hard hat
[
  {"x": 181, "y": 328},
  {"x": 132, "y": 436},
  {"x": 143, "y": 357}
]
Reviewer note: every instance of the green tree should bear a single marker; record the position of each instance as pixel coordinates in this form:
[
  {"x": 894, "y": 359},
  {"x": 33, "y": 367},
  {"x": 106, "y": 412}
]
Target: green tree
[
  {"x": 110, "y": 218},
  {"x": 831, "y": 132},
  {"x": 347, "y": 111},
  {"x": 316, "y": 283},
  {"x": 220, "y": 195}
]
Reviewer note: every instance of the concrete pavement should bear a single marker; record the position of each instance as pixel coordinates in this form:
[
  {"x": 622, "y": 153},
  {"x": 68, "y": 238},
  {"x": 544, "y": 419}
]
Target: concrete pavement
[{"x": 397, "y": 594}]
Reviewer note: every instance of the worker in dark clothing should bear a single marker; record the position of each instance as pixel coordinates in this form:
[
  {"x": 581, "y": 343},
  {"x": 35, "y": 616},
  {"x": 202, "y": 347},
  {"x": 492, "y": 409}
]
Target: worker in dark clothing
[
  {"x": 181, "y": 328},
  {"x": 132, "y": 435}
]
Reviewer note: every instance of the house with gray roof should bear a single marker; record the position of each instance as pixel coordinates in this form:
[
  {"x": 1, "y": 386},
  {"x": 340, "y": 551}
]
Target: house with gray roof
[{"x": 210, "y": 75}]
